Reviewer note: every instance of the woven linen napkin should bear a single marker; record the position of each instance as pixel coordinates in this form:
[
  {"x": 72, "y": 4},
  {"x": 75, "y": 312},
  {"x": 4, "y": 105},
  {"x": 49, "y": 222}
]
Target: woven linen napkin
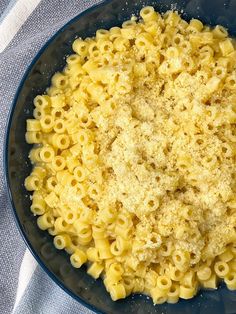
[{"x": 25, "y": 26}]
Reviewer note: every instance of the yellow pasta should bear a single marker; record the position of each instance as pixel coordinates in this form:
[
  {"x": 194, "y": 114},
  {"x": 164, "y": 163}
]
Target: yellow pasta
[
  {"x": 117, "y": 292},
  {"x": 134, "y": 157},
  {"x": 159, "y": 296},
  {"x": 204, "y": 273},
  {"x": 59, "y": 80},
  {"x": 92, "y": 254},
  {"x": 45, "y": 221},
  {"x": 32, "y": 183},
  {"x": 39, "y": 172},
  {"x": 128, "y": 282},
  {"x": 226, "y": 47},
  {"x": 78, "y": 258},
  {"x": 230, "y": 281},
  {"x": 173, "y": 294},
  {"x": 33, "y": 137},
  {"x": 47, "y": 123},
  {"x": 210, "y": 283},
  {"x": 38, "y": 206},
  {"x": 61, "y": 241},
  {"x": 221, "y": 269},
  {"x": 186, "y": 292},
  {"x": 47, "y": 154},
  {"x": 42, "y": 101},
  {"x": 95, "y": 270},
  {"x": 33, "y": 125}
]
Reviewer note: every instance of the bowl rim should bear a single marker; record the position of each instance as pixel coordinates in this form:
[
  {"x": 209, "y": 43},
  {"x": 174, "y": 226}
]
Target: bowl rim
[{"x": 6, "y": 159}]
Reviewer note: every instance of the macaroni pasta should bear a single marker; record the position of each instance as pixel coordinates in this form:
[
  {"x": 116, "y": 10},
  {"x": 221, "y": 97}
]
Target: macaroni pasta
[{"x": 134, "y": 157}]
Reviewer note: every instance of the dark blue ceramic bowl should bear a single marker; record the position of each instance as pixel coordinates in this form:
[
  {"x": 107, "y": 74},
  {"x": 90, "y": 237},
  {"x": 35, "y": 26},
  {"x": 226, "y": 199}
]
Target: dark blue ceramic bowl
[{"x": 17, "y": 166}]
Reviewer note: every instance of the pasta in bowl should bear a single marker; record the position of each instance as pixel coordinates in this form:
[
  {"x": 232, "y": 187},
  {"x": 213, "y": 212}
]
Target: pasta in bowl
[{"x": 134, "y": 157}]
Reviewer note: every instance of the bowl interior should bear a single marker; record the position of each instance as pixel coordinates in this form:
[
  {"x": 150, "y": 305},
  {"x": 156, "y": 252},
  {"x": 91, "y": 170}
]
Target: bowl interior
[{"x": 17, "y": 166}]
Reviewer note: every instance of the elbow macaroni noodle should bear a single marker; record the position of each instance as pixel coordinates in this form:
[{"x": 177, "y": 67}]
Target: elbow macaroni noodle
[{"x": 134, "y": 157}]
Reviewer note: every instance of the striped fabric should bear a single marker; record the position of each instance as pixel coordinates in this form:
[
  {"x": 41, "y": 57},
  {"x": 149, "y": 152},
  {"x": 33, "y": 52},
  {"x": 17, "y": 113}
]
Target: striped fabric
[{"x": 25, "y": 25}]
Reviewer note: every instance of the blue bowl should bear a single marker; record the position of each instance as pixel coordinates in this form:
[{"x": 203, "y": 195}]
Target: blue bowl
[{"x": 17, "y": 166}]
